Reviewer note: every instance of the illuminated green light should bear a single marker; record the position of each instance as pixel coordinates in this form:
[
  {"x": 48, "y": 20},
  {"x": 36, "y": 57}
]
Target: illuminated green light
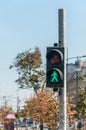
[{"x": 54, "y": 77}]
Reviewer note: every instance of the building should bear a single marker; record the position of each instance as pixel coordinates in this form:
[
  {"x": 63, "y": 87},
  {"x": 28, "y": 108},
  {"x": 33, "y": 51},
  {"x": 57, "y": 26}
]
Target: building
[{"x": 75, "y": 73}]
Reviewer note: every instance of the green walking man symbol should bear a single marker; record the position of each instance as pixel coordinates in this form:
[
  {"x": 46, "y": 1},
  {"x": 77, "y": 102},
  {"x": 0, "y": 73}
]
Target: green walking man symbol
[{"x": 54, "y": 77}]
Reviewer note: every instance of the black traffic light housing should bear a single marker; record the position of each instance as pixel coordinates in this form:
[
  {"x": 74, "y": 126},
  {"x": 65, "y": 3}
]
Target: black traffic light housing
[{"x": 55, "y": 67}]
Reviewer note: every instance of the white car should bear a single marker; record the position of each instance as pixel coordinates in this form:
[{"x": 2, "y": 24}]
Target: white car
[{"x": 1, "y": 124}]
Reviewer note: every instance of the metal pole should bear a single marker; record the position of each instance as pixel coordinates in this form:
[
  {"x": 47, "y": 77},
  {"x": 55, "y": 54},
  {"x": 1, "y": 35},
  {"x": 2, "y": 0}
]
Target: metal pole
[
  {"x": 67, "y": 80},
  {"x": 63, "y": 95},
  {"x": 18, "y": 100},
  {"x": 77, "y": 87}
]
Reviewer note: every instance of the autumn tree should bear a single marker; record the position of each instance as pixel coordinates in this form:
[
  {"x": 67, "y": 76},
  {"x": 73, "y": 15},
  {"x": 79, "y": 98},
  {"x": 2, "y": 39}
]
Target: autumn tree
[
  {"x": 81, "y": 105},
  {"x": 28, "y": 65},
  {"x": 30, "y": 70},
  {"x": 4, "y": 111},
  {"x": 44, "y": 108},
  {"x": 71, "y": 111}
]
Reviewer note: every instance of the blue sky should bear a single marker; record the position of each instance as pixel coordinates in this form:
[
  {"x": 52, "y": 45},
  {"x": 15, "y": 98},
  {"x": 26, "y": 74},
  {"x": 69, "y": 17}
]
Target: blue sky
[{"x": 25, "y": 24}]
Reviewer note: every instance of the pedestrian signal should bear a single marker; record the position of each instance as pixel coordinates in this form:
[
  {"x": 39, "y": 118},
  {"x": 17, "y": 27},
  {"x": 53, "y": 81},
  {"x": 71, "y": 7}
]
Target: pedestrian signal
[{"x": 55, "y": 67}]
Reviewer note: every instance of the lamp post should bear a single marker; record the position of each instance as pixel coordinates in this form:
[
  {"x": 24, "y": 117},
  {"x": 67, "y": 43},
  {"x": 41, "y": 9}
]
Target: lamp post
[{"x": 18, "y": 101}]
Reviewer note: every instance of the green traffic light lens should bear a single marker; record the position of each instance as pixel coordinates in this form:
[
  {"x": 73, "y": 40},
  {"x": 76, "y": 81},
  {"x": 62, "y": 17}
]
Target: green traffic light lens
[{"x": 54, "y": 76}]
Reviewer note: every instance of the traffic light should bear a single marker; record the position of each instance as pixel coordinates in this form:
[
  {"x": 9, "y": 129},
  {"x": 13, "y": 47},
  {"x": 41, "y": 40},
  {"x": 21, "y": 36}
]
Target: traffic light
[{"x": 55, "y": 67}]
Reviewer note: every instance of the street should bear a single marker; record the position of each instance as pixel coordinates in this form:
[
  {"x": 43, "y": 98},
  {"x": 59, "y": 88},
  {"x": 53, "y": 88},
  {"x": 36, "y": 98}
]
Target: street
[{"x": 30, "y": 128}]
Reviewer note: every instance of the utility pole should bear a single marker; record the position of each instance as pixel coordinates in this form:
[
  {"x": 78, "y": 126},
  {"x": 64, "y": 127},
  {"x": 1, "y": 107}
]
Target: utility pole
[
  {"x": 18, "y": 101},
  {"x": 61, "y": 32}
]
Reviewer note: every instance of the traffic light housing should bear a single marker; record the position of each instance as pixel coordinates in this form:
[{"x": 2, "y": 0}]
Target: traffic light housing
[{"x": 55, "y": 67}]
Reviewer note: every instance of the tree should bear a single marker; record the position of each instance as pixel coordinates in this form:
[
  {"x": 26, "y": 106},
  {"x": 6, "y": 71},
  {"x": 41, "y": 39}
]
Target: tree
[
  {"x": 28, "y": 65},
  {"x": 81, "y": 105},
  {"x": 71, "y": 112},
  {"x": 4, "y": 111},
  {"x": 44, "y": 108}
]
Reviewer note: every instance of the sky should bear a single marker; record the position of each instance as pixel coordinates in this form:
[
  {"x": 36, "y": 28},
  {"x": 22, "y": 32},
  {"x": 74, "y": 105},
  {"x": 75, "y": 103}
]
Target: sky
[{"x": 25, "y": 24}]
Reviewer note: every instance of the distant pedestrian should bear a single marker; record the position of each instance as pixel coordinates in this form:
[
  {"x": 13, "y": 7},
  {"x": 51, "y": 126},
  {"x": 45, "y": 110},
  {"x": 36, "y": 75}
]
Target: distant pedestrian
[
  {"x": 37, "y": 126},
  {"x": 84, "y": 124},
  {"x": 5, "y": 124},
  {"x": 79, "y": 125},
  {"x": 12, "y": 125},
  {"x": 9, "y": 127},
  {"x": 76, "y": 124}
]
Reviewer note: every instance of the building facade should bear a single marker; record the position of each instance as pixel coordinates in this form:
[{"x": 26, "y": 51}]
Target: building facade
[{"x": 75, "y": 73}]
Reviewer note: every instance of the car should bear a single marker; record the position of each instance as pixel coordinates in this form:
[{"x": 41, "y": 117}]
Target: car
[
  {"x": 1, "y": 125},
  {"x": 29, "y": 120},
  {"x": 24, "y": 124}
]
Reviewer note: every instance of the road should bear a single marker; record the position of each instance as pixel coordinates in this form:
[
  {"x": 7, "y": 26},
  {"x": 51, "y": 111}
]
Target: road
[{"x": 30, "y": 128}]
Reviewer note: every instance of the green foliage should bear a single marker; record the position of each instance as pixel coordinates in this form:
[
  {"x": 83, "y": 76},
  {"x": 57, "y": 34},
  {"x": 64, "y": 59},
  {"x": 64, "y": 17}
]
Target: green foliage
[
  {"x": 17, "y": 115},
  {"x": 28, "y": 65}
]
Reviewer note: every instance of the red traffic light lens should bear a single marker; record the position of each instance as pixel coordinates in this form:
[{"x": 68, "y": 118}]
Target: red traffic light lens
[{"x": 54, "y": 57}]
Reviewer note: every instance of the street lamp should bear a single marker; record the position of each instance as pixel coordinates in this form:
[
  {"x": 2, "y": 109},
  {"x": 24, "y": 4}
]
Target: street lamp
[
  {"x": 18, "y": 101},
  {"x": 76, "y": 57}
]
